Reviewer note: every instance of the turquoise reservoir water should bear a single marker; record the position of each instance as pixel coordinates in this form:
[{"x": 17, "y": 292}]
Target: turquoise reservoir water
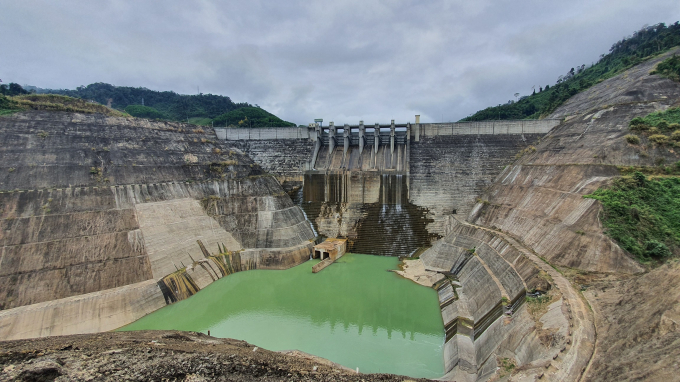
[{"x": 354, "y": 312}]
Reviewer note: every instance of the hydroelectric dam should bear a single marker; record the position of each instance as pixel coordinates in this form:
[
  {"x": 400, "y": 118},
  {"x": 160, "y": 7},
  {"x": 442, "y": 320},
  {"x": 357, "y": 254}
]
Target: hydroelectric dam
[
  {"x": 388, "y": 188},
  {"x": 107, "y": 219}
]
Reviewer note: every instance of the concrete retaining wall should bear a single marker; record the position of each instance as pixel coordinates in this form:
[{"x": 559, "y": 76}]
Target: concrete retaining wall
[
  {"x": 284, "y": 158},
  {"x": 87, "y": 313},
  {"x": 447, "y": 172}
]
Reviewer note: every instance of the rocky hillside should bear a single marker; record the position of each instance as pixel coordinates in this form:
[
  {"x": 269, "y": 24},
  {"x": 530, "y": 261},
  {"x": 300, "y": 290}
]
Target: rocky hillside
[
  {"x": 539, "y": 201},
  {"x": 163, "y": 356}
]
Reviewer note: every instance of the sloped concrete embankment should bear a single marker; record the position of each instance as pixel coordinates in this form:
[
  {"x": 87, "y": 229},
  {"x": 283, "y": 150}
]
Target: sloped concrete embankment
[
  {"x": 82, "y": 259},
  {"x": 485, "y": 317},
  {"x": 46, "y": 258},
  {"x": 41, "y": 150}
]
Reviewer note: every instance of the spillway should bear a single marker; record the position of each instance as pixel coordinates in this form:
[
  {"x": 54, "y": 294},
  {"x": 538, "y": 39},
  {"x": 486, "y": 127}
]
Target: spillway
[{"x": 370, "y": 209}]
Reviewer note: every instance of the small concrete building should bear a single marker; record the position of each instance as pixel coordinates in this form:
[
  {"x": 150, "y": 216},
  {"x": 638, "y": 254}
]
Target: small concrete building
[
  {"x": 332, "y": 249},
  {"x": 328, "y": 251}
]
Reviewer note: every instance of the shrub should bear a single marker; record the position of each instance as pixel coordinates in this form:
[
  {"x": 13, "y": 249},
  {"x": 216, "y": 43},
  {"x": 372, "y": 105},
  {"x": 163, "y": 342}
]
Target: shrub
[
  {"x": 637, "y": 121},
  {"x": 632, "y": 139},
  {"x": 659, "y": 139},
  {"x": 676, "y": 135},
  {"x": 662, "y": 119},
  {"x": 52, "y": 102},
  {"x": 656, "y": 249},
  {"x": 670, "y": 68},
  {"x": 527, "y": 150}
]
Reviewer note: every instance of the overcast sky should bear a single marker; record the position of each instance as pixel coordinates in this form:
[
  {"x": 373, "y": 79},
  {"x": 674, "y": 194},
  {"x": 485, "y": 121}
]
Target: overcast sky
[{"x": 341, "y": 60}]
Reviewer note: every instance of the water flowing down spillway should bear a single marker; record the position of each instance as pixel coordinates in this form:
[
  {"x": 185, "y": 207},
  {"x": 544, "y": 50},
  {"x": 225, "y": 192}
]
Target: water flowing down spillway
[
  {"x": 354, "y": 313},
  {"x": 370, "y": 209}
]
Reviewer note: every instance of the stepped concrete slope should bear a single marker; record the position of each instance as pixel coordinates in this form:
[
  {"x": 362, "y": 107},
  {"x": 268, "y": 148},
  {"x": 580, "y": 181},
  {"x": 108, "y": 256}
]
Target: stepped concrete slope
[
  {"x": 97, "y": 211},
  {"x": 485, "y": 315}
]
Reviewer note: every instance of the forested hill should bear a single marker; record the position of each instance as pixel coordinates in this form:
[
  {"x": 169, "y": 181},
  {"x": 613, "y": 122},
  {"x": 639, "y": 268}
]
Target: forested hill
[
  {"x": 642, "y": 45},
  {"x": 200, "y": 108}
]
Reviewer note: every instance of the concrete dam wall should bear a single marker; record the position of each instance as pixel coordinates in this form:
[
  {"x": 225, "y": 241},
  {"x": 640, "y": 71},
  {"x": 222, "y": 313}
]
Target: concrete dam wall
[
  {"x": 445, "y": 165},
  {"x": 96, "y": 211}
]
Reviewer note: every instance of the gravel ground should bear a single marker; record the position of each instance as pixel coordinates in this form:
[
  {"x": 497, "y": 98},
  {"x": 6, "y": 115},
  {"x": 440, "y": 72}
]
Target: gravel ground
[{"x": 163, "y": 356}]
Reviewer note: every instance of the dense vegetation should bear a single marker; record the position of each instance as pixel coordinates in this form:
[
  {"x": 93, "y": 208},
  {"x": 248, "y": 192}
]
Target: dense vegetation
[
  {"x": 643, "y": 214},
  {"x": 174, "y": 106},
  {"x": 669, "y": 67},
  {"x": 146, "y": 103},
  {"x": 630, "y": 51},
  {"x": 140, "y": 111},
  {"x": 250, "y": 117}
]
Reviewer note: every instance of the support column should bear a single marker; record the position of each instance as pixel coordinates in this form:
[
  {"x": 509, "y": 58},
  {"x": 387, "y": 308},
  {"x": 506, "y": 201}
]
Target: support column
[
  {"x": 392, "y": 132},
  {"x": 317, "y": 136},
  {"x": 331, "y": 137},
  {"x": 362, "y": 136},
  {"x": 417, "y": 128},
  {"x": 377, "y": 137},
  {"x": 345, "y": 136}
]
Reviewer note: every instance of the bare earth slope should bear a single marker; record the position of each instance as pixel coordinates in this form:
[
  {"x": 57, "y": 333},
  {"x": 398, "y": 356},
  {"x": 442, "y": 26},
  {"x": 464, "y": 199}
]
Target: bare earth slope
[{"x": 639, "y": 327}]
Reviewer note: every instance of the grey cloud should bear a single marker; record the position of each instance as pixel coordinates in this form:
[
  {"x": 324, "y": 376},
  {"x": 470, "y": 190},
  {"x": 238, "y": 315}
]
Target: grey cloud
[{"x": 340, "y": 60}]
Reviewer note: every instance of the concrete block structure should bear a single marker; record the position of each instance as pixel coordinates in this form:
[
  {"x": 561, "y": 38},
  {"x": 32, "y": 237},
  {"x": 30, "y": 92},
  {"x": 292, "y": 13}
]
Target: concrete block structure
[{"x": 328, "y": 251}]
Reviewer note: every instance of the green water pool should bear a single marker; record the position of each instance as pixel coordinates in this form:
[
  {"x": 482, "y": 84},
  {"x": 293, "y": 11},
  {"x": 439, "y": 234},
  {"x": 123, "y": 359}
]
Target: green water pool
[{"x": 354, "y": 312}]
